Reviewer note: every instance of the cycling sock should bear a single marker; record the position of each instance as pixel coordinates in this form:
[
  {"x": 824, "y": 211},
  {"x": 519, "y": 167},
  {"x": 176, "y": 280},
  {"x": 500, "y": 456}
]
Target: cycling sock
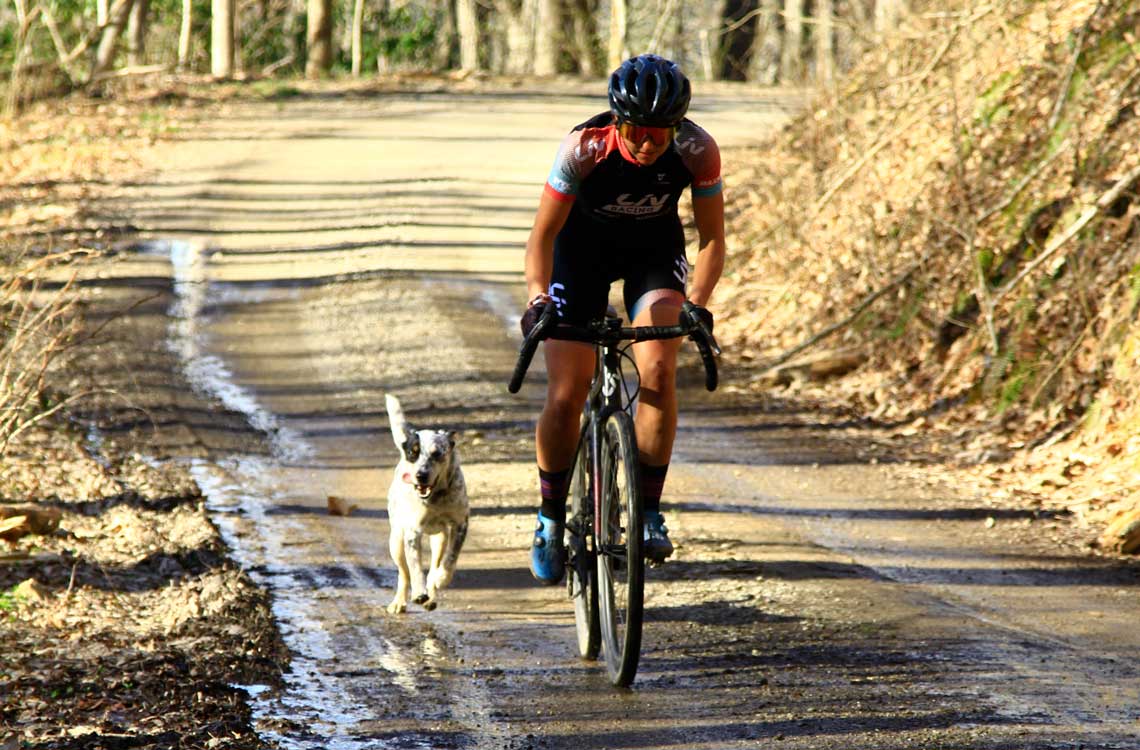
[
  {"x": 554, "y": 486},
  {"x": 652, "y": 483}
]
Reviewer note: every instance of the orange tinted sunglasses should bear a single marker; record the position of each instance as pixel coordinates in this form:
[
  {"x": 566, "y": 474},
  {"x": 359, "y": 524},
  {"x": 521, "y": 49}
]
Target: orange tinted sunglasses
[{"x": 638, "y": 133}]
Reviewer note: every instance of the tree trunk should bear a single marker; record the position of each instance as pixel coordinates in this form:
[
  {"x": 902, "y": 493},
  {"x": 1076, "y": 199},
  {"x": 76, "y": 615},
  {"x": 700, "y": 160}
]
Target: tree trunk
[
  {"x": 765, "y": 67},
  {"x": 587, "y": 47},
  {"x": 619, "y": 33},
  {"x": 357, "y": 36},
  {"x": 102, "y": 7},
  {"x": 109, "y": 43},
  {"x": 665, "y": 12},
  {"x": 791, "y": 59},
  {"x": 444, "y": 55},
  {"x": 467, "y": 26},
  {"x": 514, "y": 42},
  {"x": 319, "y": 55},
  {"x": 824, "y": 41},
  {"x": 136, "y": 33},
  {"x": 222, "y": 38},
  {"x": 184, "y": 34},
  {"x": 547, "y": 37}
]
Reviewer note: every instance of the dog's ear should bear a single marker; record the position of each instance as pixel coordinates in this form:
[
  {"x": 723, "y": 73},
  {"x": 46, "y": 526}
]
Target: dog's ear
[
  {"x": 400, "y": 429},
  {"x": 452, "y": 436}
]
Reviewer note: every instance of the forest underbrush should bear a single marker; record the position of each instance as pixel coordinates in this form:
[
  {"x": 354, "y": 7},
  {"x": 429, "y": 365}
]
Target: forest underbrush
[{"x": 946, "y": 245}]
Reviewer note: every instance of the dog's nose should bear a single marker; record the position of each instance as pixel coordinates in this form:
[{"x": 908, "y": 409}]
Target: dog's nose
[{"x": 422, "y": 477}]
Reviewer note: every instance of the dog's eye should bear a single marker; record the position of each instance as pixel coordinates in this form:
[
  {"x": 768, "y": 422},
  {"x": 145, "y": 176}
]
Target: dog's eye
[{"x": 412, "y": 449}]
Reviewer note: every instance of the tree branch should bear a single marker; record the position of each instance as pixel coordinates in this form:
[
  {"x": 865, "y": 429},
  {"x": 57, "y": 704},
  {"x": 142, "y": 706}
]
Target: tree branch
[{"x": 1086, "y": 216}]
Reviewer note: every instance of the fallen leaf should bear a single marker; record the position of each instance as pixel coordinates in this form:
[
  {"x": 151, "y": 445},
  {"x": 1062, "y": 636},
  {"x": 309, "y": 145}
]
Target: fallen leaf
[{"x": 338, "y": 506}]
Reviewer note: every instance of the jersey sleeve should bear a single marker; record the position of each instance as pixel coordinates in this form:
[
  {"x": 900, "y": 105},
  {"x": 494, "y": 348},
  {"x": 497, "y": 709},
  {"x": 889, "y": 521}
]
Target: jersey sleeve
[
  {"x": 576, "y": 158},
  {"x": 701, "y": 156}
]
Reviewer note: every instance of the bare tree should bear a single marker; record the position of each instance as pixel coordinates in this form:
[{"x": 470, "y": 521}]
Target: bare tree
[
  {"x": 619, "y": 33},
  {"x": 319, "y": 55},
  {"x": 467, "y": 26},
  {"x": 823, "y": 36},
  {"x": 184, "y": 34},
  {"x": 109, "y": 40},
  {"x": 547, "y": 37},
  {"x": 444, "y": 55},
  {"x": 791, "y": 58},
  {"x": 587, "y": 48},
  {"x": 357, "y": 36},
  {"x": 136, "y": 32},
  {"x": 222, "y": 38},
  {"x": 764, "y": 65}
]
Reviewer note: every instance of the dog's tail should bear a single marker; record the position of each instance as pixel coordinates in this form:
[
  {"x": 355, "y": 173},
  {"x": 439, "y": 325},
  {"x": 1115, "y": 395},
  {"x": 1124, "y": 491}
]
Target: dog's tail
[{"x": 396, "y": 419}]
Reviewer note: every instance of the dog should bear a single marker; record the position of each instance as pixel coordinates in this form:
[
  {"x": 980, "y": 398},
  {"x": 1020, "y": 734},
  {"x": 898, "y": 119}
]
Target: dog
[{"x": 428, "y": 495}]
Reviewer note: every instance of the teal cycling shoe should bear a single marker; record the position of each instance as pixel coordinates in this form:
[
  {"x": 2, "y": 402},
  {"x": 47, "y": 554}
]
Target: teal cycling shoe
[
  {"x": 657, "y": 546},
  {"x": 547, "y": 554}
]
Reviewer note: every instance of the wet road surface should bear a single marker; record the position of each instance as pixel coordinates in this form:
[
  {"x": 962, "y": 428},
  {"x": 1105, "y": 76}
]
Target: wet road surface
[{"x": 324, "y": 252}]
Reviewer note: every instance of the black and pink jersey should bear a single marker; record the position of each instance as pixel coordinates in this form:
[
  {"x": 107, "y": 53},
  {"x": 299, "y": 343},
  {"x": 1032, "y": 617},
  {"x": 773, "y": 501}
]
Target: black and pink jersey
[{"x": 595, "y": 170}]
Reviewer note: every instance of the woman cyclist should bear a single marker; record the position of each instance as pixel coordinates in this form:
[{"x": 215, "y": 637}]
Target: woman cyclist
[{"x": 608, "y": 212}]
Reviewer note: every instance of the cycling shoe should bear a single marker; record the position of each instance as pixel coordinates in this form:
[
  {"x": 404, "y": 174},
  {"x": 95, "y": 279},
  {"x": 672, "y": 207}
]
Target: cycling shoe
[
  {"x": 547, "y": 554},
  {"x": 656, "y": 542}
]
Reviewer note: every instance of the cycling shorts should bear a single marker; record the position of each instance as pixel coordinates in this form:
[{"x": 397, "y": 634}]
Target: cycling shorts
[{"x": 589, "y": 257}]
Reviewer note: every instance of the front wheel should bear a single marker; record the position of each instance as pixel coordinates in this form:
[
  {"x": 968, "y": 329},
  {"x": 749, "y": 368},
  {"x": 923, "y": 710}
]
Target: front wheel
[
  {"x": 582, "y": 579},
  {"x": 621, "y": 567}
]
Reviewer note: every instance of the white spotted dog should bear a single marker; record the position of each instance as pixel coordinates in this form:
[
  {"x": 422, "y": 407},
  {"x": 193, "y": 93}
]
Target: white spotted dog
[{"x": 427, "y": 496}]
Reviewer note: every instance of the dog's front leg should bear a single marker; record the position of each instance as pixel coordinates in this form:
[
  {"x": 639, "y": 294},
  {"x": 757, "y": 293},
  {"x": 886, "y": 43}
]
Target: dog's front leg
[
  {"x": 412, "y": 544},
  {"x": 438, "y": 576},
  {"x": 399, "y": 603}
]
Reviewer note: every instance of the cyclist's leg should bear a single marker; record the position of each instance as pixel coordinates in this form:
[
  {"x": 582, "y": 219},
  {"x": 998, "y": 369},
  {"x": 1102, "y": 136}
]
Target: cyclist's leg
[
  {"x": 579, "y": 289},
  {"x": 656, "y": 420},
  {"x": 654, "y": 295}
]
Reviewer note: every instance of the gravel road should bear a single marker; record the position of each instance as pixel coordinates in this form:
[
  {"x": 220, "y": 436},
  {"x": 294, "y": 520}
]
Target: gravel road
[{"x": 325, "y": 250}]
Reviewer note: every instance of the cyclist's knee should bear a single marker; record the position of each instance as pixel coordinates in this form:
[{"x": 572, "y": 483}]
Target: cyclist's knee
[
  {"x": 659, "y": 372},
  {"x": 564, "y": 405}
]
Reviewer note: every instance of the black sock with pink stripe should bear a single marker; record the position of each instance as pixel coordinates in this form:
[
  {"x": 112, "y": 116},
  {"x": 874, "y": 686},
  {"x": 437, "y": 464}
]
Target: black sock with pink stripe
[
  {"x": 652, "y": 483},
  {"x": 554, "y": 486}
]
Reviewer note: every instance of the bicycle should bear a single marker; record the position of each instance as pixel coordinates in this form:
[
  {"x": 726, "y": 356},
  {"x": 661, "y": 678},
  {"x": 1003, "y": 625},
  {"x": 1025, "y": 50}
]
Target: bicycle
[{"x": 605, "y": 564}]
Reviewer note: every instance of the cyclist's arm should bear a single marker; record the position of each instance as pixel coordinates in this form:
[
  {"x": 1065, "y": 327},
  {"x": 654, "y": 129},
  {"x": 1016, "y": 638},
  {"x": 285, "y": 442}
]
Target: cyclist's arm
[
  {"x": 708, "y": 214},
  {"x": 552, "y": 214}
]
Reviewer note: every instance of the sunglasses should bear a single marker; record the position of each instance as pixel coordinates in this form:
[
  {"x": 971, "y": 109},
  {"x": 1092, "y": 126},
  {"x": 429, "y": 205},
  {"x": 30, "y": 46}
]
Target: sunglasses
[{"x": 638, "y": 133}]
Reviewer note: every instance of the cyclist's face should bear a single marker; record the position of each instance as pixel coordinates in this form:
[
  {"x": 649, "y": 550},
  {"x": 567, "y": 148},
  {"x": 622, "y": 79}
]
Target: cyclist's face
[{"x": 644, "y": 143}]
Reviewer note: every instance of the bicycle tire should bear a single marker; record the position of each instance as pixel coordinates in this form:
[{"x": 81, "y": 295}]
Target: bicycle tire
[
  {"x": 621, "y": 567},
  {"x": 582, "y": 581}
]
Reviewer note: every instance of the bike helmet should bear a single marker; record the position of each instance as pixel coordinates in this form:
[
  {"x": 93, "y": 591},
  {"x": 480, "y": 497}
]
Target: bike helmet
[{"x": 649, "y": 90}]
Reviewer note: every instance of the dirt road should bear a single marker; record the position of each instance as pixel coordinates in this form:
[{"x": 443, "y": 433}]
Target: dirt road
[{"x": 327, "y": 250}]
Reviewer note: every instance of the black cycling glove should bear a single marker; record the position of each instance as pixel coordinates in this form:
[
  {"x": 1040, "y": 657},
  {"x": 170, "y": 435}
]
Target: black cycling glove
[
  {"x": 531, "y": 316},
  {"x": 697, "y": 313}
]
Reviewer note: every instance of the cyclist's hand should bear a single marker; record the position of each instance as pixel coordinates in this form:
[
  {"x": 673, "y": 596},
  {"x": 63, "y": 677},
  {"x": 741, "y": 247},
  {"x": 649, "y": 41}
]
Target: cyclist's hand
[
  {"x": 534, "y": 310},
  {"x": 696, "y": 313}
]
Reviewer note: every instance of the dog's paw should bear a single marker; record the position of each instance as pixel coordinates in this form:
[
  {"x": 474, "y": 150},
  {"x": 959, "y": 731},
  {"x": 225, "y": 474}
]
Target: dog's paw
[
  {"x": 421, "y": 599},
  {"x": 397, "y": 608},
  {"x": 430, "y": 604}
]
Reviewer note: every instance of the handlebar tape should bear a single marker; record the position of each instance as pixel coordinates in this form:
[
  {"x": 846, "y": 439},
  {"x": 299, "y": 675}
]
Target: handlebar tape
[{"x": 528, "y": 348}]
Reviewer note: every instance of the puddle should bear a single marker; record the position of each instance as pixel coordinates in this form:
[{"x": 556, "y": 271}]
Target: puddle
[{"x": 240, "y": 492}]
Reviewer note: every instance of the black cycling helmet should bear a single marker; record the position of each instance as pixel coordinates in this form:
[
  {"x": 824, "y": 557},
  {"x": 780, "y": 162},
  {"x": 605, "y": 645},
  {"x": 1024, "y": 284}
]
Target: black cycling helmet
[{"x": 650, "y": 90}]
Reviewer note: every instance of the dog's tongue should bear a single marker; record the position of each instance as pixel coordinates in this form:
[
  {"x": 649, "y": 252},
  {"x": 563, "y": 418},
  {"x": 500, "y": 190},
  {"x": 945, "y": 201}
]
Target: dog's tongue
[{"x": 407, "y": 477}]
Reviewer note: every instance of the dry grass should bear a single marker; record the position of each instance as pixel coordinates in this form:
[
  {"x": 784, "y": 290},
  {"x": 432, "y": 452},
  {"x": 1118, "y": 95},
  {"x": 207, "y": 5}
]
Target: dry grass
[{"x": 969, "y": 168}]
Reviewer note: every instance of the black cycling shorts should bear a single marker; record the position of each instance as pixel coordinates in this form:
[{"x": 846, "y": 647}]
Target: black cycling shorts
[{"x": 590, "y": 256}]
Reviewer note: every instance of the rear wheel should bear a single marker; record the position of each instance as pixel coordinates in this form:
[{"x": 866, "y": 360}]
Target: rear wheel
[
  {"x": 621, "y": 567},
  {"x": 582, "y": 579}
]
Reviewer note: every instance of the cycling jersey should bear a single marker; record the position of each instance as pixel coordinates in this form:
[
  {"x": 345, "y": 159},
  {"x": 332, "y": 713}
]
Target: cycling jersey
[
  {"x": 624, "y": 223},
  {"x": 595, "y": 170}
]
